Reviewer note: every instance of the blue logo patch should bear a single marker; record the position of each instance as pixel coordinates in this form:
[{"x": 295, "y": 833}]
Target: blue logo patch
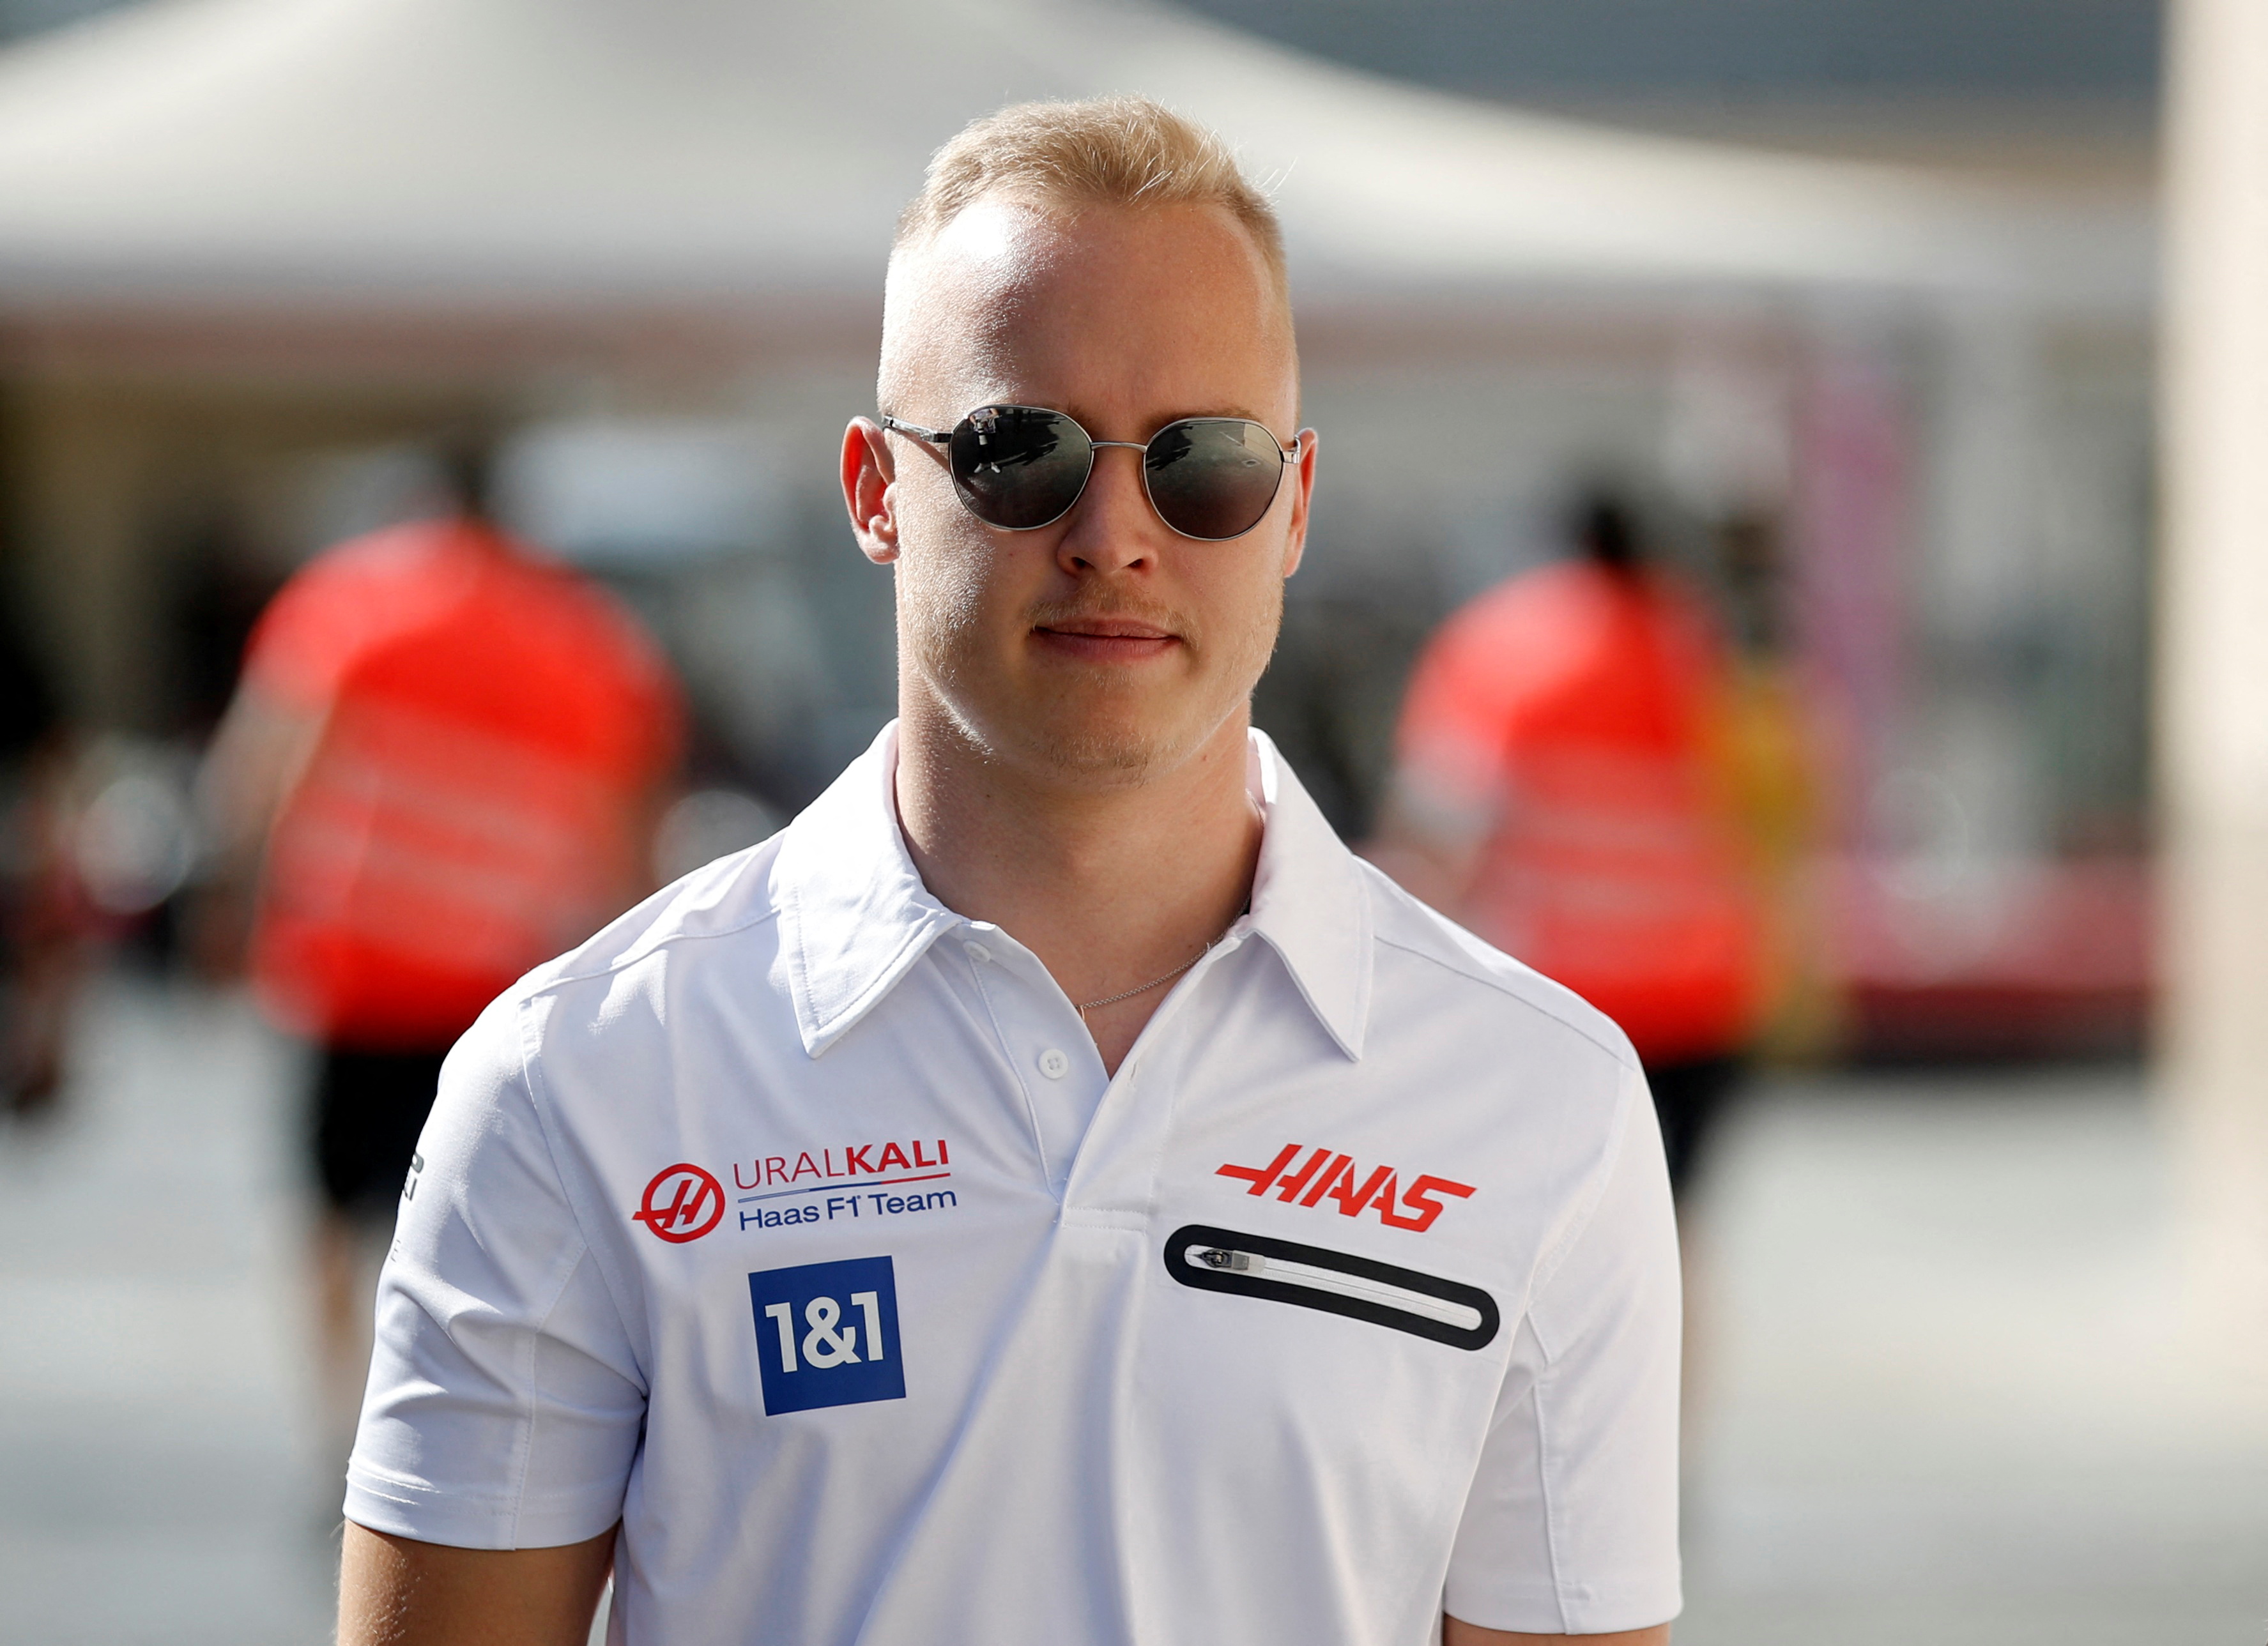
[{"x": 827, "y": 1335}]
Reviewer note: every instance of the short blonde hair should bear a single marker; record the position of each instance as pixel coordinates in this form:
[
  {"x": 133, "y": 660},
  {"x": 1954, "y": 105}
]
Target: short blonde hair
[{"x": 1107, "y": 150}]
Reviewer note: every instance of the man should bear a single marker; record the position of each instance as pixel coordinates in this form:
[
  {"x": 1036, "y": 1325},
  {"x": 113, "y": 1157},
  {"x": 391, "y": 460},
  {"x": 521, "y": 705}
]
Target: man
[
  {"x": 441, "y": 766},
  {"x": 1053, "y": 1192},
  {"x": 1566, "y": 788}
]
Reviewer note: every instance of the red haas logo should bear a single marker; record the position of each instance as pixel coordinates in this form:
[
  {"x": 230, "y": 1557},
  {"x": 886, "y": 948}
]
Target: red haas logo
[
  {"x": 682, "y": 1203},
  {"x": 1325, "y": 1174}
]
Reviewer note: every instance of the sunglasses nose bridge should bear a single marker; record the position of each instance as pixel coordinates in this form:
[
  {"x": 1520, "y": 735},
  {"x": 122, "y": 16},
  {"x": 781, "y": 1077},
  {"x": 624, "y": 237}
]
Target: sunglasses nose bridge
[
  {"x": 1114, "y": 521},
  {"x": 1123, "y": 446}
]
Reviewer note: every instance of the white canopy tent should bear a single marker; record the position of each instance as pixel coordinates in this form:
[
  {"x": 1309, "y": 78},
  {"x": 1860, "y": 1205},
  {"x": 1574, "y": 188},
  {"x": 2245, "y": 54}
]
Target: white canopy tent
[
  {"x": 234, "y": 232},
  {"x": 441, "y": 155}
]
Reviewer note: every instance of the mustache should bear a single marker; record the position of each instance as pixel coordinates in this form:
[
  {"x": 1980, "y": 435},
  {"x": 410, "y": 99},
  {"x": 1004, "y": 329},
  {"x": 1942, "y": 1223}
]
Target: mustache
[{"x": 1077, "y": 613}]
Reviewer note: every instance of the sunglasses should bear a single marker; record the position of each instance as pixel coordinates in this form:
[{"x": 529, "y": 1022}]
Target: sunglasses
[{"x": 1022, "y": 467}]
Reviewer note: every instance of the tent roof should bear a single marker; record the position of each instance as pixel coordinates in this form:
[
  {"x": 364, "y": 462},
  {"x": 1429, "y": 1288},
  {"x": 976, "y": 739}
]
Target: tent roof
[{"x": 442, "y": 154}]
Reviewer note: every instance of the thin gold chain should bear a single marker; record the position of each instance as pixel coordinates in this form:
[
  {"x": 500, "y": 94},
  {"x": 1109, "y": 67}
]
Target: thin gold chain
[
  {"x": 1155, "y": 982},
  {"x": 1159, "y": 982}
]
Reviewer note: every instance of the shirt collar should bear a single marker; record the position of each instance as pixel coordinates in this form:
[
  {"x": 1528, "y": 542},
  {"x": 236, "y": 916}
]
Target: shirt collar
[
  {"x": 854, "y": 915},
  {"x": 1308, "y": 899}
]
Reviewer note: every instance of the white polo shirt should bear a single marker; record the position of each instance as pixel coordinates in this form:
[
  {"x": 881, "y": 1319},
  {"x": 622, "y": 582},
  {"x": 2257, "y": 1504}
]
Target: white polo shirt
[{"x": 793, "y": 1223}]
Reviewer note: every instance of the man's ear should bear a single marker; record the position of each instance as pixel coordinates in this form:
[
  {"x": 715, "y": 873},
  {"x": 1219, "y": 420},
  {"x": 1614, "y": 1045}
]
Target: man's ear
[
  {"x": 1303, "y": 483},
  {"x": 868, "y": 489}
]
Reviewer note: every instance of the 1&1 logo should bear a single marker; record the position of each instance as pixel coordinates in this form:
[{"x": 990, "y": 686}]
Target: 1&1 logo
[
  {"x": 827, "y": 1335},
  {"x": 682, "y": 1203}
]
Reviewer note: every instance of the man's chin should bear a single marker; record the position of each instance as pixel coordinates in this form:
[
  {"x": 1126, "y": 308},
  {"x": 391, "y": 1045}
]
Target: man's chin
[
  {"x": 1105, "y": 749},
  {"x": 1056, "y": 732},
  {"x": 1106, "y": 754}
]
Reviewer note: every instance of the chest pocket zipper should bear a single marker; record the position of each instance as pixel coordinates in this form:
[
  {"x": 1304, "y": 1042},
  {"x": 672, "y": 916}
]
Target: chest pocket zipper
[{"x": 1336, "y": 1282}]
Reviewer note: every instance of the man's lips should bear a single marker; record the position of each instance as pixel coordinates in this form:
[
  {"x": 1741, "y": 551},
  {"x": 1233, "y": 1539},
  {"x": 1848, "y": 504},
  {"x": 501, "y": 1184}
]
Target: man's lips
[{"x": 1105, "y": 639}]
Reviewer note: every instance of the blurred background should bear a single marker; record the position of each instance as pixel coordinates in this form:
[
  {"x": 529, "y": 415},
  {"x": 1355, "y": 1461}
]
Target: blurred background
[{"x": 1859, "y": 311}]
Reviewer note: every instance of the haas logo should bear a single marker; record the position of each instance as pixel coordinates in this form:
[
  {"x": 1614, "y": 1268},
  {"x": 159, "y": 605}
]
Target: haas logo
[
  {"x": 682, "y": 1203},
  {"x": 1328, "y": 1174}
]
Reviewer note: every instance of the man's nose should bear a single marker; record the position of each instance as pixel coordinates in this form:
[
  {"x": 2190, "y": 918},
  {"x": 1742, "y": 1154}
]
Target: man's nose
[{"x": 1113, "y": 527}]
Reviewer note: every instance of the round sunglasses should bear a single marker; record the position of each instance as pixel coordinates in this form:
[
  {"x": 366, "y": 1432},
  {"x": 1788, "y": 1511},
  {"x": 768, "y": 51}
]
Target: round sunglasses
[{"x": 1022, "y": 467}]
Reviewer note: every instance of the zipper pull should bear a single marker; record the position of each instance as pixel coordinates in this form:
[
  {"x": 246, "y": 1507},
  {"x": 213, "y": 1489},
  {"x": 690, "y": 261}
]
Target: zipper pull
[{"x": 1235, "y": 1262}]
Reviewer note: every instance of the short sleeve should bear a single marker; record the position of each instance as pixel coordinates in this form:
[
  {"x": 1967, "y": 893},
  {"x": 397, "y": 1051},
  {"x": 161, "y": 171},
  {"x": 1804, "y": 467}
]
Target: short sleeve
[
  {"x": 504, "y": 1402},
  {"x": 1571, "y": 1524}
]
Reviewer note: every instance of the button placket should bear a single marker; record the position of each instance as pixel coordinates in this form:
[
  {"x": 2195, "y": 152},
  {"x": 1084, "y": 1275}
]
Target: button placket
[
  {"x": 1062, "y": 1091},
  {"x": 1117, "y": 1164}
]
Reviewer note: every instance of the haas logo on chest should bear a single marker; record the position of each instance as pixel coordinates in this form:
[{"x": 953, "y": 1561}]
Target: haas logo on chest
[
  {"x": 684, "y": 1203},
  {"x": 1326, "y": 1174}
]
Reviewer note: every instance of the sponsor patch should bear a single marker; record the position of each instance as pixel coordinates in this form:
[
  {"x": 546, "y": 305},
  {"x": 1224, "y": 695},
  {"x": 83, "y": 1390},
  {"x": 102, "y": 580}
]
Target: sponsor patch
[
  {"x": 682, "y": 1203},
  {"x": 827, "y": 1335},
  {"x": 1328, "y": 1178}
]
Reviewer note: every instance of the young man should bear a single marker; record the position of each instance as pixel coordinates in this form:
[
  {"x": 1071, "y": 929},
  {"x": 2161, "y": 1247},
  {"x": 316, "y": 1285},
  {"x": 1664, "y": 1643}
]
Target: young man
[{"x": 1053, "y": 1192}]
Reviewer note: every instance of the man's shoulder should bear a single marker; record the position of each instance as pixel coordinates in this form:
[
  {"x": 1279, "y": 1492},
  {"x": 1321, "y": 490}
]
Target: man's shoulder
[
  {"x": 1465, "y": 971},
  {"x": 688, "y": 919}
]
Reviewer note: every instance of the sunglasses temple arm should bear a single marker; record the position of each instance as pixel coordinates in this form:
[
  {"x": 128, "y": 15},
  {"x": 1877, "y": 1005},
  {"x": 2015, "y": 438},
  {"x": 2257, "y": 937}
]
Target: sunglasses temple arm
[{"x": 935, "y": 436}]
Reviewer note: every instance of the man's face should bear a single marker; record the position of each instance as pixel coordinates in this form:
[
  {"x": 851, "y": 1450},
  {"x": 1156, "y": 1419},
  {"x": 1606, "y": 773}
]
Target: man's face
[{"x": 1104, "y": 648}]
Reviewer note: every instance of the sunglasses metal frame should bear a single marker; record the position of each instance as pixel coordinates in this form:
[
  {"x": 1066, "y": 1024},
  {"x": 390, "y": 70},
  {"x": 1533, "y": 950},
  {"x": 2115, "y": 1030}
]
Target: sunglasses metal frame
[{"x": 1288, "y": 454}]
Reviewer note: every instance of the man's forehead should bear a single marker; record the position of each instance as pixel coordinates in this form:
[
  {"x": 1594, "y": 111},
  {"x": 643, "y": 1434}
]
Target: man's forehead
[
  {"x": 1000, "y": 238},
  {"x": 968, "y": 305},
  {"x": 1007, "y": 238},
  {"x": 989, "y": 251}
]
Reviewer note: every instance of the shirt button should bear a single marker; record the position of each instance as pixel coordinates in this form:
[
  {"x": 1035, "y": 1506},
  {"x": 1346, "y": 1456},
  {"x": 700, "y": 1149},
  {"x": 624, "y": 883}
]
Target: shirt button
[
  {"x": 977, "y": 951},
  {"x": 1053, "y": 1064}
]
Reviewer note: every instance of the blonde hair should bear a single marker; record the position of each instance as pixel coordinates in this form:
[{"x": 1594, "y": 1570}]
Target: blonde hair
[{"x": 1107, "y": 150}]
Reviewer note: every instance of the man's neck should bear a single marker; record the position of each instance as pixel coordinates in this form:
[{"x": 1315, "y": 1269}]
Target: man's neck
[{"x": 1110, "y": 887}]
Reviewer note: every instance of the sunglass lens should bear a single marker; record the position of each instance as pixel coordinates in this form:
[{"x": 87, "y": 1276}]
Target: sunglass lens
[
  {"x": 1212, "y": 477},
  {"x": 1019, "y": 466}
]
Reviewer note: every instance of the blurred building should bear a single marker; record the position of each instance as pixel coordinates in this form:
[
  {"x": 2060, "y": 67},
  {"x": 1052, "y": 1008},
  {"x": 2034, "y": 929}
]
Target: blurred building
[
  {"x": 1994, "y": 645},
  {"x": 2046, "y": 88},
  {"x": 251, "y": 251}
]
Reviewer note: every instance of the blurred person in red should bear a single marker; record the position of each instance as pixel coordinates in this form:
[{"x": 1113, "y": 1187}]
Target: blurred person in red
[
  {"x": 1563, "y": 790},
  {"x": 442, "y": 766}
]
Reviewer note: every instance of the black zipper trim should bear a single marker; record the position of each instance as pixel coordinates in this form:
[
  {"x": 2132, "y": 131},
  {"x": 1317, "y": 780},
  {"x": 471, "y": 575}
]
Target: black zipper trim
[{"x": 1181, "y": 1269}]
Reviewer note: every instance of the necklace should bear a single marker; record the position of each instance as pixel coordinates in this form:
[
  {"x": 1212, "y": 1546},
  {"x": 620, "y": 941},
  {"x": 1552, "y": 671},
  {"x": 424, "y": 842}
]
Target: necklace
[
  {"x": 1155, "y": 982},
  {"x": 1160, "y": 983},
  {"x": 1259, "y": 817}
]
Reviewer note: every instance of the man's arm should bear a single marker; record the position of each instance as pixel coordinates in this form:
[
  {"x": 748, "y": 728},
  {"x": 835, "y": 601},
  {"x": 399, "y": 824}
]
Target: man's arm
[
  {"x": 1457, "y": 1633},
  {"x": 396, "y": 1591}
]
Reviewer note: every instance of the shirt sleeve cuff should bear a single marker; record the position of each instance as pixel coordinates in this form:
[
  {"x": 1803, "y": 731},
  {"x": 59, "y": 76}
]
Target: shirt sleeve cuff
[
  {"x": 409, "y": 1508},
  {"x": 1567, "y": 1608}
]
